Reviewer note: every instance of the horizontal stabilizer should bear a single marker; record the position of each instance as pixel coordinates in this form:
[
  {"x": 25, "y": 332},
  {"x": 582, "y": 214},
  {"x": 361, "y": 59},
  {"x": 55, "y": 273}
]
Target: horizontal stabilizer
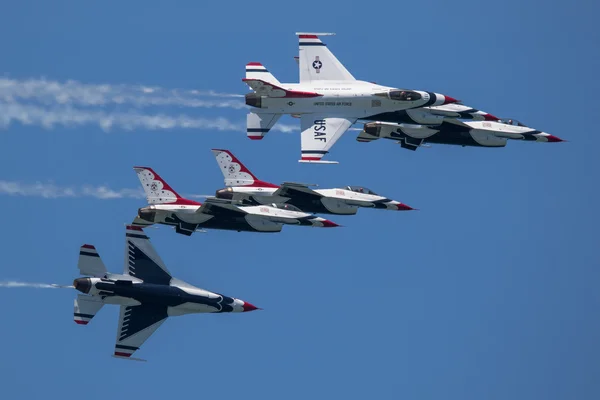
[
  {"x": 86, "y": 308},
  {"x": 89, "y": 262},
  {"x": 258, "y": 125}
]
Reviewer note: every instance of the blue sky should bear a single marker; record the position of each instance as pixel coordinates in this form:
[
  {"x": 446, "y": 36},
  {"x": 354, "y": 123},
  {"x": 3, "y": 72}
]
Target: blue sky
[{"x": 489, "y": 291}]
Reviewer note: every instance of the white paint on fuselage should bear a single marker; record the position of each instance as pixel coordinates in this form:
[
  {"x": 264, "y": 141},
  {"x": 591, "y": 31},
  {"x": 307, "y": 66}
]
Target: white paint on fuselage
[{"x": 347, "y": 99}]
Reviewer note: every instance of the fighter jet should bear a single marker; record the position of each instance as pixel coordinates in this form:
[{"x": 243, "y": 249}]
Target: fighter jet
[
  {"x": 146, "y": 292},
  {"x": 327, "y": 99},
  {"x": 412, "y": 135},
  {"x": 243, "y": 186},
  {"x": 167, "y": 207}
]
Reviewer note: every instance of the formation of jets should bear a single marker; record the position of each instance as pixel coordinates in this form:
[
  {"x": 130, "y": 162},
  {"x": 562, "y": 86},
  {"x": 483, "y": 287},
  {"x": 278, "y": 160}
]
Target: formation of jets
[{"x": 328, "y": 100}]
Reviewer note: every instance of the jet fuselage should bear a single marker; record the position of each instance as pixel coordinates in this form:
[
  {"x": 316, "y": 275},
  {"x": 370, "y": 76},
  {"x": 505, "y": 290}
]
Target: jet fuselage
[
  {"x": 179, "y": 300},
  {"x": 348, "y": 99}
]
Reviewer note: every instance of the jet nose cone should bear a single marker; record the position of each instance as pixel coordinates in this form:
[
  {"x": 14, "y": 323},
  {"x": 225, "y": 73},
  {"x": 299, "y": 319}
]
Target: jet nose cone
[
  {"x": 554, "y": 139},
  {"x": 249, "y": 307},
  {"x": 329, "y": 224},
  {"x": 404, "y": 207},
  {"x": 450, "y": 100}
]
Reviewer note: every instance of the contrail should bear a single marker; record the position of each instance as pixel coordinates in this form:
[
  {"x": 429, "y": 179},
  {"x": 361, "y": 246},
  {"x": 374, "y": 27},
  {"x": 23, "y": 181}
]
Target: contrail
[
  {"x": 17, "y": 284},
  {"x": 50, "y": 92},
  {"x": 72, "y": 117},
  {"x": 28, "y": 114},
  {"x": 52, "y": 191}
]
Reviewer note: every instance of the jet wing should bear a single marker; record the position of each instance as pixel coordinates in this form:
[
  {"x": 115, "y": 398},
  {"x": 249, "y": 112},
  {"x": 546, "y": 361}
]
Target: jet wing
[
  {"x": 319, "y": 134},
  {"x": 291, "y": 190},
  {"x": 136, "y": 325},
  {"x": 141, "y": 260},
  {"x": 215, "y": 206}
]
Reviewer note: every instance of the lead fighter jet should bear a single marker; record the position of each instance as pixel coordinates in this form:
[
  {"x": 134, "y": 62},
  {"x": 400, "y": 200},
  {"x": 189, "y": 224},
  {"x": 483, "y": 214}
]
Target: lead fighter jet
[
  {"x": 243, "y": 186},
  {"x": 328, "y": 99},
  {"x": 167, "y": 207},
  {"x": 146, "y": 292}
]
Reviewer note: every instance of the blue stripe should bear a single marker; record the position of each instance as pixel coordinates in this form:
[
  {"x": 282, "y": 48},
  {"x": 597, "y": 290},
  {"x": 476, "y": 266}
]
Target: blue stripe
[
  {"x": 315, "y": 151},
  {"x": 120, "y": 346},
  {"x": 311, "y": 44},
  {"x": 257, "y": 70},
  {"x": 262, "y": 130},
  {"x": 90, "y": 316},
  {"x": 85, "y": 253},
  {"x": 133, "y": 235}
]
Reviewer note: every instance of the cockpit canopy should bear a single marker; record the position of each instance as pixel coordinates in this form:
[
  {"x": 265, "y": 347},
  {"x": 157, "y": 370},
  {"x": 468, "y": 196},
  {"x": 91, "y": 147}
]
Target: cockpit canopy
[
  {"x": 400, "y": 95},
  {"x": 285, "y": 206},
  {"x": 361, "y": 189},
  {"x": 510, "y": 121}
]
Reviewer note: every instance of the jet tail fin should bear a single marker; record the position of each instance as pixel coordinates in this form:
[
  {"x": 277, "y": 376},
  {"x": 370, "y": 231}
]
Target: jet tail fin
[
  {"x": 158, "y": 190},
  {"x": 317, "y": 63},
  {"x": 86, "y": 308},
  {"x": 236, "y": 173}
]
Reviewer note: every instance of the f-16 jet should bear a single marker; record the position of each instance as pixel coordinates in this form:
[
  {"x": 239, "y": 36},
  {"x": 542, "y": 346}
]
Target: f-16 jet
[
  {"x": 448, "y": 130},
  {"x": 146, "y": 292},
  {"x": 167, "y": 207},
  {"x": 327, "y": 99},
  {"x": 243, "y": 186}
]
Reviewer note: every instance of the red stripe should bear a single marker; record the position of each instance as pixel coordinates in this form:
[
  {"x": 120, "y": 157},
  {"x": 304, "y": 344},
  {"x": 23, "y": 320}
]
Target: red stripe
[
  {"x": 118, "y": 353},
  {"x": 134, "y": 228},
  {"x": 259, "y": 183},
  {"x": 186, "y": 202},
  {"x": 255, "y": 137},
  {"x": 81, "y": 322},
  {"x": 88, "y": 246},
  {"x": 254, "y": 63},
  {"x": 311, "y": 158},
  {"x": 309, "y": 37}
]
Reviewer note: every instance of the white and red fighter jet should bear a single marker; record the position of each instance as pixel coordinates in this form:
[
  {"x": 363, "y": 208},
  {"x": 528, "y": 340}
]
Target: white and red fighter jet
[
  {"x": 167, "y": 207},
  {"x": 243, "y": 186}
]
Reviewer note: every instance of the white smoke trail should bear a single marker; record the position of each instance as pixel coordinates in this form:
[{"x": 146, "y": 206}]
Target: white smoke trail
[
  {"x": 17, "y": 284},
  {"x": 52, "y": 191},
  {"x": 28, "y": 114},
  {"x": 71, "y": 92}
]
